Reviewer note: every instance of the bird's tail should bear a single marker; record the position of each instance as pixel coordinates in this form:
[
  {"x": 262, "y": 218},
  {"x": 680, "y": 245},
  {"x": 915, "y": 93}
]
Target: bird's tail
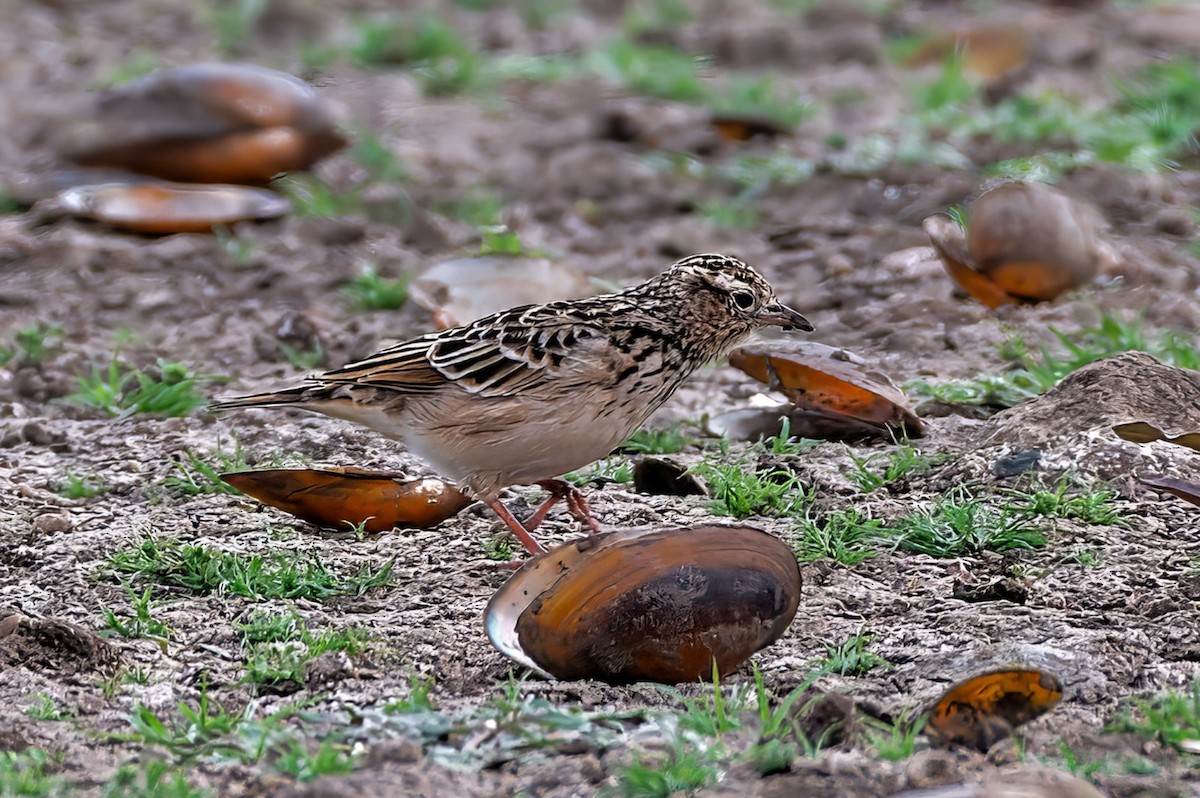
[{"x": 301, "y": 394}]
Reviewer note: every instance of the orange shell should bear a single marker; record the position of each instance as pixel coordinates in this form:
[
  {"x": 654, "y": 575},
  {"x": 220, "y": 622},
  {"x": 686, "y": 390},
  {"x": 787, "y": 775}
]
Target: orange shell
[
  {"x": 164, "y": 208},
  {"x": 253, "y": 157},
  {"x": 946, "y": 237},
  {"x": 743, "y": 127},
  {"x": 338, "y": 497},
  {"x": 984, "y": 709},
  {"x": 1026, "y": 242},
  {"x": 989, "y": 51},
  {"x": 829, "y": 380},
  {"x": 648, "y": 605}
]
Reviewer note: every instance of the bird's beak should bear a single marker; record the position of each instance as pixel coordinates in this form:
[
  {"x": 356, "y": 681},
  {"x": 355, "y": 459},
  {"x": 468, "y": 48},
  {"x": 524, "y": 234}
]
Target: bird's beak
[{"x": 779, "y": 315}]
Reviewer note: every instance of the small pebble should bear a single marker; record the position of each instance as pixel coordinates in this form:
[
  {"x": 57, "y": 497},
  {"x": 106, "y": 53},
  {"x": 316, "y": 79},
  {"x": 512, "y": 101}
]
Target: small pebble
[
  {"x": 1175, "y": 222},
  {"x": 52, "y": 523},
  {"x": 36, "y": 434},
  {"x": 401, "y": 751},
  {"x": 1017, "y": 463},
  {"x": 838, "y": 265},
  {"x": 931, "y": 768},
  {"x": 591, "y": 769}
]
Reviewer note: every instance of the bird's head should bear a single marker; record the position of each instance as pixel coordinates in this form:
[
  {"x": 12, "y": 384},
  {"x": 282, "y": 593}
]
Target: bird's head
[{"x": 730, "y": 294}]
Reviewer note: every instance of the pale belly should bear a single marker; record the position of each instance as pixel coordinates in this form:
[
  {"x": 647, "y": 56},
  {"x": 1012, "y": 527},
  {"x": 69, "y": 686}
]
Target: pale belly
[{"x": 504, "y": 444}]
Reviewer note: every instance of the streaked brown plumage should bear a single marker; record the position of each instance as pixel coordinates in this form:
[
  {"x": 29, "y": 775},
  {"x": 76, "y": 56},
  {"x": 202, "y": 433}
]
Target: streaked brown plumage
[{"x": 528, "y": 394}]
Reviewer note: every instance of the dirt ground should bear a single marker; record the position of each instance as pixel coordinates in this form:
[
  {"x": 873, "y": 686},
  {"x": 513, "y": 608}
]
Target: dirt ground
[{"x": 840, "y": 247}]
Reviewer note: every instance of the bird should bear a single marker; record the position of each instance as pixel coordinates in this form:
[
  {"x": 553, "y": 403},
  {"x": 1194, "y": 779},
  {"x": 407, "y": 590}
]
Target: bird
[{"x": 526, "y": 395}]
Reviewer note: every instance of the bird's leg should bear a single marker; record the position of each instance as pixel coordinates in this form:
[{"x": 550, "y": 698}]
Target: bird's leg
[
  {"x": 556, "y": 495},
  {"x": 515, "y": 526},
  {"x": 577, "y": 506}
]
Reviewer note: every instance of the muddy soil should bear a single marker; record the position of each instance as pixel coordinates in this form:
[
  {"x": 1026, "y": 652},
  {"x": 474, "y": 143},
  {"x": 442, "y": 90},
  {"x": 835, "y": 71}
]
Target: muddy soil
[{"x": 1111, "y": 609}]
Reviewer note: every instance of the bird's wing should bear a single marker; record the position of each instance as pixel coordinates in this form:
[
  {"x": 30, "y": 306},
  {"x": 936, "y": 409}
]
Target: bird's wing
[{"x": 498, "y": 355}]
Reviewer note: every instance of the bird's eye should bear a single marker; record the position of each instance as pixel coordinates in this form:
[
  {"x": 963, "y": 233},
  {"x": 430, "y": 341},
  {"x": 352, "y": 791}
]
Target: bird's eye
[{"x": 743, "y": 299}]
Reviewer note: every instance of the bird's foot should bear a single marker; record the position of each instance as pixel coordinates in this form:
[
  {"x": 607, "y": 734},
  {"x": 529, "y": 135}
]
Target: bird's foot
[
  {"x": 559, "y": 490},
  {"x": 577, "y": 506}
]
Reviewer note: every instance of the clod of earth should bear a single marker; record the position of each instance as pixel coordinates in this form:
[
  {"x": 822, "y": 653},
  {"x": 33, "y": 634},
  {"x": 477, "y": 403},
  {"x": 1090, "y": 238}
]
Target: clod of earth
[
  {"x": 661, "y": 477},
  {"x": 834, "y": 393},
  {"x": 51, "y": 644},
  {"x": 165, "y": 208},
  {"x": 1073, "y": 421},
  {"x": 980, "y": 711},
  {"x": 342, "y": 497},
  {"x": 207, "y": 123},
  {"x": 462, "y": 290},
  {"x": 648, "y": 604},
  {"x": 1026, "y": 242}
]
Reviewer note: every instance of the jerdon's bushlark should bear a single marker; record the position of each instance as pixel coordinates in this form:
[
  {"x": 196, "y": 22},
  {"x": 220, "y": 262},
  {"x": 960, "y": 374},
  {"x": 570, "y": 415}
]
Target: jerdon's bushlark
[{"x": 528, "y": 394}]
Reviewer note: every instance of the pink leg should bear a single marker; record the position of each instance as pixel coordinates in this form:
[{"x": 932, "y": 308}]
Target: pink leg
[
  {"x": 515, "y": 526},
  {"x": 539, "y": 515}
]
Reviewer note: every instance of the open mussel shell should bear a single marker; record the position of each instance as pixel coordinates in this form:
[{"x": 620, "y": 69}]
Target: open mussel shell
[
  {"x": 1026, "y": 242},
  {"x": 164, "y": 208},
  {"x": 645, "y": 604},
  {"x": 834, "y": 393},
  {"x": 342, "y": 497},
  {"x": 461, "y": 290},
  {"x": 206, "y": 123},
  {"x": 980, "y": 711}
]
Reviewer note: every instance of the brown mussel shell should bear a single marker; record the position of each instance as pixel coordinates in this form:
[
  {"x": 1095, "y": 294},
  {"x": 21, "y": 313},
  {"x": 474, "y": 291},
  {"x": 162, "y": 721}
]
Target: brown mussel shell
[
  {"x": 342, "y": 497},
  {"x": 1026, "y": 242},
  {"x": 207, "y": 123},
  {"x": 654, "y": 605},
  {"x": 839, "y": 391},
  {"x": 980, "y": 711}
]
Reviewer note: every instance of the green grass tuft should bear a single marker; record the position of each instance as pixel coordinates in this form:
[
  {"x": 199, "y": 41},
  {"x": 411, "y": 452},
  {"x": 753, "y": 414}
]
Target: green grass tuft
[
  {"x": 33, "y": 344},
  {"x": 851, "y": 657},
  {"x": 29, "y": 773},
  {"x": 203, "y": 569},
  {"x": 894, "y": 741},
  {"x": 959, "y": 524},
  {"x": 1171, "y": 717},
  {"x": 845, "y": 536},
  {"x": 742, "y": 492},
  {"x": 77, "y": 486},
  {"x": 142, "y": 624},
  {"x": 196, "y": 476},
  {"x": 682, "y": 770},
  {"x": 43, "y": 707},
  {"x": 1093, "y": 506},
  {"x": 1037, "y": 373},
  {"x": 279, "y": 646},
  {"x": 657, "y": 441},
  {"x": 370, "y": 291},
  {"x": 906, "y": 460},
  {"x": 166, "y": 389}
]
